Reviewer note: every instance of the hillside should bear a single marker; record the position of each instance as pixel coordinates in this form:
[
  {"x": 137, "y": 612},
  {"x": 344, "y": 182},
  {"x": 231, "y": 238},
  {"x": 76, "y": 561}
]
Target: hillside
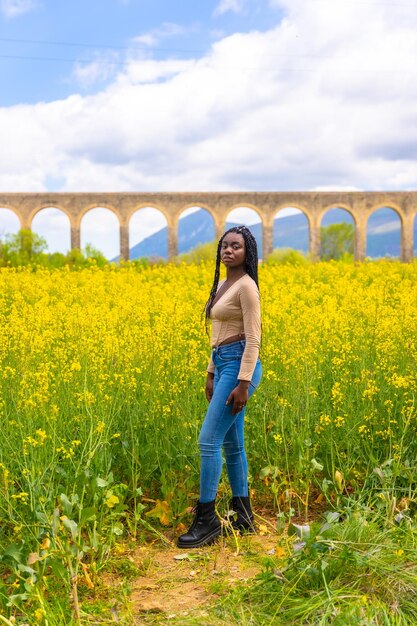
[{"x": 289, "y": 232}]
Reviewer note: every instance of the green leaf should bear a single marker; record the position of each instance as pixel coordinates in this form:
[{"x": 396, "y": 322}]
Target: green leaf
[
  {"x": 66, "y": 504},
  {"x": 117, "y": 529},
  {"x": 16, "y": 599},
  {"x": 56, "y": 522},
  {"x": 14, "y": 552},
  {"x": 332, "y": 517},
  {"x": 26, "y": 569},
  {"x": 58, "y": 568},
  {"x": 325, "y": 485},
  {"x": 317, "y": 467},
  {"x": 265, "y": 471},
  {"x": 41, "y": 517},
  {"x": 302, "y": 531},
  {"x": 87, "y": 514},
  {"x": 72, "y": 526}
]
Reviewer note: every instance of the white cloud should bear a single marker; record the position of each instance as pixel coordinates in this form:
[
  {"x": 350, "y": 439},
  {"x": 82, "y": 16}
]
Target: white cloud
[
  {"x": 325, "y": 100},
  {"x": 145, "y": 223},
  {"x": 13, "y": 8},
  {"x": 389, "y": 227},
  {"x": 243, "y": 216},
  {"x": 9, "y": 223},
  {"x": 165, "y": 31},
  {"x": 100, "y": 70},
  {"x": 138, "y": 62},
  {"x": 224, "y": 6}
]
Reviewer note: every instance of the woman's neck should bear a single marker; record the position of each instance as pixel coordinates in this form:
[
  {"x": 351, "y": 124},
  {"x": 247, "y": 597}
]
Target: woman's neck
[{"x": 234, "y": 273}]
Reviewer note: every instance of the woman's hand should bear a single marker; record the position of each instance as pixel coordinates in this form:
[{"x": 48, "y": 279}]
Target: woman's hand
[
  {"x": 209, "y": 386},
  {"x": 239, "y": 397}
]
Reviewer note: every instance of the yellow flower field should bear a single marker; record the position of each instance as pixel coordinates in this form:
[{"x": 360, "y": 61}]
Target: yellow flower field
[{"x": 102, "y": 376}]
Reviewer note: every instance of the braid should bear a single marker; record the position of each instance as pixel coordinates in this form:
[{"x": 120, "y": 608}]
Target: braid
[
  {"x": 207, "y": 308},
  {"x": 251, "y": 262}
]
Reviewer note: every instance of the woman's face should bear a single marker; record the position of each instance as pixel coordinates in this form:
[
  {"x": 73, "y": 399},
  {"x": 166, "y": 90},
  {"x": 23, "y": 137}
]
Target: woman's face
[{"x": 232, "y": 250}]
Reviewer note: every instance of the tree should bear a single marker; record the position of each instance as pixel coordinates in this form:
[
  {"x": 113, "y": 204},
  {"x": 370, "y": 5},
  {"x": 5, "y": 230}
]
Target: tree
[
  {"x": 337, "y": 241},
  {"x": 27, "y": 247},
  {"x": 201, "y": 253},
  {"x": 22, "y": 248},
  {"x": 94, "y": 254}
]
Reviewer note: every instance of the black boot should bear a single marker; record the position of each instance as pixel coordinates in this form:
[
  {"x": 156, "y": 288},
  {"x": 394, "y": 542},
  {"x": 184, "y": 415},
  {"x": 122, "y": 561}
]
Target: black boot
[
  {"x": 244, "y": 520},
  {"x": 204, "y": 529}
]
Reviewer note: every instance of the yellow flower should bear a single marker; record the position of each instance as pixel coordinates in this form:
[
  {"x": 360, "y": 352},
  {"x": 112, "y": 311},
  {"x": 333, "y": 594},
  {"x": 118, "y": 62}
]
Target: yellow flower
[{"x": 112, "y": 500}]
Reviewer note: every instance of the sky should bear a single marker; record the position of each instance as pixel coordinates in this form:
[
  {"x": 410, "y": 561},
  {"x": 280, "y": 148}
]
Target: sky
[{"x": 213, "y": 95}]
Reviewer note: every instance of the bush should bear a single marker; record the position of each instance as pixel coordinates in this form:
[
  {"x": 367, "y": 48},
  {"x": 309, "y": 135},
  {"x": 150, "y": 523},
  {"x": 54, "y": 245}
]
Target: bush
[
  {"x": 28, "y": 248},
  {"x": 287, "y": 256},
  {"x": 200, "y": 254}
]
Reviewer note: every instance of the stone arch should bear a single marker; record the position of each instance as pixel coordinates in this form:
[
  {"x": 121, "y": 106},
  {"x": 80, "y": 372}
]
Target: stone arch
[
  {"x": 10, "y": 221},
  {"x": 202, "y": 226},
  {"x": 245, "y": 214},
  {"x": 294, "y": 232},
  {"x": 246, "y": 205},
  {"x": 293, "y": 205},
  {"x": 337, "y": 207},
  {"x": 149, "y": 239},
  {"x": 149, "y": 205},
  {"x": 263, "y": 203},
  {"x": 333, "y": 215},
  {"x": 90, "y": 207},
  {"x": 380, "y": 231},
  {"x": 196, "y": 205},
  {"x": 103, "y": 234},
  {"x": 57, "y": 232},
  {"x": 389, "y": 205},
  {"x": 47, "y": 205}
]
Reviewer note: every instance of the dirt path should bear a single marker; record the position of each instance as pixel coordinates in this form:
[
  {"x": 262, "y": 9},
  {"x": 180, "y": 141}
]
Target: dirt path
[{"x": 179, "y": 584}]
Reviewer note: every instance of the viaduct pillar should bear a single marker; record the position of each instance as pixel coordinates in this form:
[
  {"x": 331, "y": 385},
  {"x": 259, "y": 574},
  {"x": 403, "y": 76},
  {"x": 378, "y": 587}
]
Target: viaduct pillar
[
  {"x": 267, "y": 237},
  {"x": 124, "y": 241},
  {"x": 407, "y": 238},
  {"x": 314, "y": 239},
  {"x": 75, "y": 236},
  {"x": 360, "y": 240},
  {"x": 172, "y": 240}
]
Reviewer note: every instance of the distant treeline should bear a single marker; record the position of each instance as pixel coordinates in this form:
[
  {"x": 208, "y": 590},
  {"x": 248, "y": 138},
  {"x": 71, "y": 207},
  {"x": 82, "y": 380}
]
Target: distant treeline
[{"x": 26, "y": 248}]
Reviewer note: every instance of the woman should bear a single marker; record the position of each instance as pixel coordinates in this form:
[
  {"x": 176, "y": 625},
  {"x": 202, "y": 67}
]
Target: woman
[{"x": 233, "y": 374}]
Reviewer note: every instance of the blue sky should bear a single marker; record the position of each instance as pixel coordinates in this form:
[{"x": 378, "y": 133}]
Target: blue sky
[
  {"x": 109, "y": 30},
  {"x": 218, "y": 95}
]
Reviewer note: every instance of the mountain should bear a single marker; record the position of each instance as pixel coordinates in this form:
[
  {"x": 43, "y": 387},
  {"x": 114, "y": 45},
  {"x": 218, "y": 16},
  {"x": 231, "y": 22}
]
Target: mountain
[{"x": 289, "y": 232}]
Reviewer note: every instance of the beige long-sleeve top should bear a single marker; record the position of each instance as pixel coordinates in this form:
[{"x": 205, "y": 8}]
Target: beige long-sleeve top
[{"x": 238, "y": 311}]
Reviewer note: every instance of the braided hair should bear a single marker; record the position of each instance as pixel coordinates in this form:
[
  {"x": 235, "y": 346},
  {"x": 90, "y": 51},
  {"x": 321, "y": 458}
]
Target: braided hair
[{"x": 251, "y": 262}]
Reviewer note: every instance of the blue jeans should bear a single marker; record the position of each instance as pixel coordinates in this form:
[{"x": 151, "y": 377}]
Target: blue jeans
[{"x": 222, "y": 429}]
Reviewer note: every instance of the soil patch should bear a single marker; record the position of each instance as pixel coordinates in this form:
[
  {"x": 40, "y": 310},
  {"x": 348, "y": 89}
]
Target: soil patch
[{"x": 178, "y": 583}]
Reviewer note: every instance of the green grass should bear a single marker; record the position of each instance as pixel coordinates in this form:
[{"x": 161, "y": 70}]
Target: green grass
[{"x": 101, "y": 401}]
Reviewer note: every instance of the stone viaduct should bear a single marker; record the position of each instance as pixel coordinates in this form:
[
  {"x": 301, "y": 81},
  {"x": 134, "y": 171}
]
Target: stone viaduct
[{"x": 314, "y": 205}]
